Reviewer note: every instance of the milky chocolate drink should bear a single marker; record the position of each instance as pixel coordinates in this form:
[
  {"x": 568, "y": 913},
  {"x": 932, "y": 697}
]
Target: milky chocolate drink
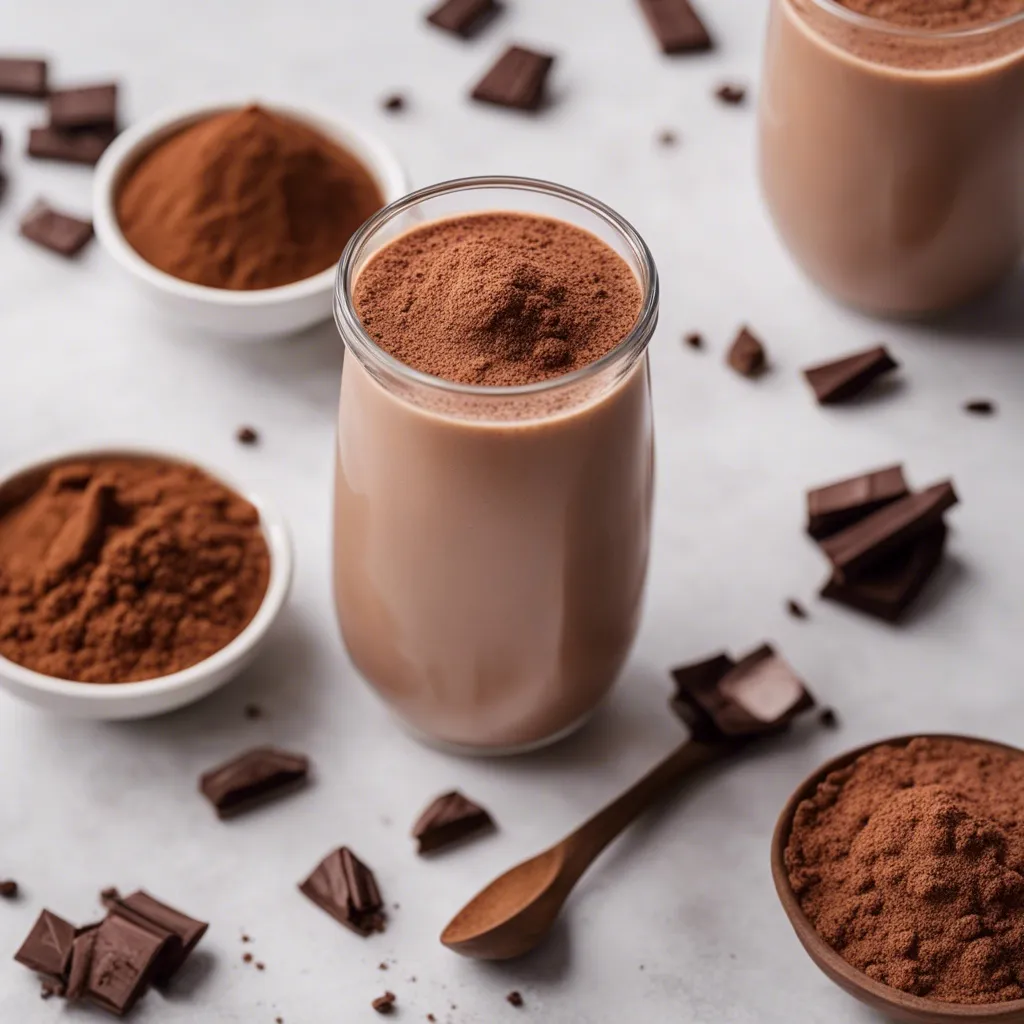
[
  {"x": 494, "y": 475},
  {"x": 892, "y": 146}
]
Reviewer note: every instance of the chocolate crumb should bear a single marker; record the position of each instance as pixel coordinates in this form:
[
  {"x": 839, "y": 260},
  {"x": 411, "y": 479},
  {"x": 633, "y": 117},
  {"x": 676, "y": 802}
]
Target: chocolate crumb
[
  {"x": 796, "y": 609},
  {"x": 747, "y": 354},
  {"x": 732, "y": 94},
  {"x": 382, "y": 966},
  {"x": 694, "y": 339},
  {"x": 247, "y": 435},
  {"x": 393, "y": 103},
  {"x": 279, "y": 1020},
  {"x": 110, "y": 893},
  {"x": 253, "y": 711},
  {"x": 515, "y": 999},
  {"x": 828, "y": 718},
  {"x": 431, "y": 1017},
  {"x": 247, "y": 958},
  {"x": 667, "y": 137},
  {"x": 245, "y": 938},
  {"x": 980, "y": 407},
  {"x": 260, "y": 966},
  {"x": 385, "y": 1003},
  {"x": 9, "y": 889}
]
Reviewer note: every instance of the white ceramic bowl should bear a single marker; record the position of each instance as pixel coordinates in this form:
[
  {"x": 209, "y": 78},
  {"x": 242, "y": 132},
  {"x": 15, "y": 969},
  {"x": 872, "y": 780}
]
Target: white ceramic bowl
[
  {"x": 263, "y": 312},
  {"x": 111, "y": 701}
]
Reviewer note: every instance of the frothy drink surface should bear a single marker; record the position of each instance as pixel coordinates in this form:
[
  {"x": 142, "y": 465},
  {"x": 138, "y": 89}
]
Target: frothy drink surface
[
  {"x": 936, "y": 15},
  {"x": 489, "y": 574}
]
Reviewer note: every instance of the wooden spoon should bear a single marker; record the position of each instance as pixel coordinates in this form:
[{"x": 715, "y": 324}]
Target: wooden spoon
[{"x": 514, "y": 913}]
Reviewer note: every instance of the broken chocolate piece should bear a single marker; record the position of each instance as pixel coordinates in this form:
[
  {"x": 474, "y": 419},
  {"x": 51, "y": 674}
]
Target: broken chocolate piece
[
  {"x": 123, "y": 958},
  {"x": 21, "y": 76},
  {"x": 516, "y": 81},
  {"x": 251, "y": 778},
  {"x": 676, "y": 26},
  {"x": 344, "y": 887},
  {"x": 59, "y": 232},
  {"x": 73, "y": 147},
  {"x": 386, "y": 1003},
  {"x": 721, "y": 699},
  {"x": 844, "y": 378},
  {"x": 9, "y": 889},
  {"x": 48, "y": 946},
  {"x": 464, "y": 18},
  {"x": 82, "y": 951},
  {"x": 514, "y": 999},
  {"x": 447, "y": 820},
  {"x": 869, "y": 541},
  {"x": 733, "y": 95},
  {"x": 835, "y": 506},
  {"x": 90, "y": 106},
  {"x": 980, "y": 407},
  {"x": 888, "y": 589},
  {"x": 747, "y": 354}
]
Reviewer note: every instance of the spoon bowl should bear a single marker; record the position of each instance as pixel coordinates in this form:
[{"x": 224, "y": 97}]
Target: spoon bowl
[{"x": 896, "y": 1005}]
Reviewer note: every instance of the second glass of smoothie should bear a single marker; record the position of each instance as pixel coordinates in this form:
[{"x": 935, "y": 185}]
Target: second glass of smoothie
[{"x": 494, "y": 457}]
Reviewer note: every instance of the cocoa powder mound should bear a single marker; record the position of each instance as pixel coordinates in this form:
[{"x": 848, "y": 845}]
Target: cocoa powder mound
[
  {"x": 910, "y": 864},
  {"x": 245, "y": 200},
  {"x": 937, "y": 15},
  {"x": 497, "y": 298},
  {"x": 116, "y": 570}
]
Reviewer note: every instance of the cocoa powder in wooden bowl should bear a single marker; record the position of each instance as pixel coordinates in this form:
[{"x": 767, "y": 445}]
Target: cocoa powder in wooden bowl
[{"x": 901, "y": 868}]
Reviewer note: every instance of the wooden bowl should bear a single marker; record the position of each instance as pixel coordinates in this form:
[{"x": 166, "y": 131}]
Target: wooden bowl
[{"x": 892, "y": 1002}]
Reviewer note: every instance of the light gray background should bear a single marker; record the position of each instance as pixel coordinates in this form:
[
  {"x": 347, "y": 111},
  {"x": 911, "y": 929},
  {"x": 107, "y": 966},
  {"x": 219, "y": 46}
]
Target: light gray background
[{"x": 679, "y": 921}]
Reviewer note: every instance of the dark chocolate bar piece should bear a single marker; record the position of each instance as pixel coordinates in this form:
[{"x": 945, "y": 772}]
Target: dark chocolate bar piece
[
  {"x": 835, "y": 506},
  {"x": 59, "y": 232},
  {"x": 867, "y": 543},
  {"x": 84, "y": 146},
  {"x": 124, "y": 956},
  {"x": 449, "y": 819},
  {"x": 747, "y": 354},
  {"x": 90, "y": 106},
  {"x": 464, "y": 18},
  {"x": 516, "y": 81},
  {"x": 48, "y": 946},
  {"x": 676, "y": 26},
  {"x": 888, "y": 589},
  {"x": 22, "y": 76},
  {"x": 841, "y": 379},
  {"x": 251, "y": 778},
  {"x": 344, "y": 887}
]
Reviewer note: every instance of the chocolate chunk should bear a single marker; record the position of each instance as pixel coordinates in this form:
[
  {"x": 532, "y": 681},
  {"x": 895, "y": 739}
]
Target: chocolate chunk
[
  {"x": 180, "y": 932},
  {"x": 82, "y": 951},
  {"x": 48, "y": 946},
  {"x": 252, "y": 778},
  {"x": 91, "y": 106},
  {"x": 449, "y": 819},
  {"x": 841, "y": 379},
  {"x": 835, "y": 506},
  {"x": 694, "y": 340},
  {"x": 796, "y": 609},
  {"x": 385, "y": 1004},
  {"x": 247, "y": 435},
  {"x": 828, "y": 718},
  {"x": 123, "y": 958},
  {"x": 59, "y": 232},
  {"x": 344, "y": 887},
  {"x": 464, "y": 18},
  {"x": 514, "y": 999},
  {"x": 747, "y": 354},
  {"x": 393, "y": 103},
  {"x": 722, "y": 699},
  {"x": 980, "y": 407},
  {"x": 733, "y": 95},
  {"x": 73, "y": 147},
  {"x": 888, "y": 589},
  {"x": 20, "y": 76},
  {"x": 868, "y": 542},
  {"x": 9, "y": 889},
  {"x": 516, "y": 81},
  {"x": 676, "y": 26}
]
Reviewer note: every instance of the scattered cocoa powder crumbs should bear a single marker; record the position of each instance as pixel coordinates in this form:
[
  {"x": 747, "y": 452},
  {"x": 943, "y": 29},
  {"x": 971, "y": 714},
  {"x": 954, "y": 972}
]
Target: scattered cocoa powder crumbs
[
  {"x": 668, "y": 138},
  {"x": 515, "y": 999},
  {"x": 385, "y": 1003},
  {"x": 9, "y": 889},
  {"x": 910, "y": 864},
  {"x": 247, "y": 435}
]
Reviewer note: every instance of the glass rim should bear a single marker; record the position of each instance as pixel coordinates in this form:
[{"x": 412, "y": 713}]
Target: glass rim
[
  {"x": 366, "y": 349},
  {"x": 909, "y": 32}
]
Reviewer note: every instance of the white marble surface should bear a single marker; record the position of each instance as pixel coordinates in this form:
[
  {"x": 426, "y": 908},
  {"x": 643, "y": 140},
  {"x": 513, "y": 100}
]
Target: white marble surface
[{"x": 679, "y": 921}]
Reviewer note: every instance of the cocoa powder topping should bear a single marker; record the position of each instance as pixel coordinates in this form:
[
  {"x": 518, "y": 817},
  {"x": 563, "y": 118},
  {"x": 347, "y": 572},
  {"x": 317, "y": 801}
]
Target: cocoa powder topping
[
  {"x": 936, "y": 15},
  {"x": 497, "y": 298}
]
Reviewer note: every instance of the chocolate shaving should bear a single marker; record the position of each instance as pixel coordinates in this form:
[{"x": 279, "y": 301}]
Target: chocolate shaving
[
  {"x": 252, "y": 778},
  {"x": 747, "y": 354},
  {"x": 842, "y": 379},
  {"x": 450, "y": 819},
  {"x": 344, "y": 887},
  {"x": 835, "y": 506},
  {"x": 516, "y": 81},
  {"x": 59, "y": 232},
  {"x": 676, "y": 26},
  {"x": 464, "y": 18}
]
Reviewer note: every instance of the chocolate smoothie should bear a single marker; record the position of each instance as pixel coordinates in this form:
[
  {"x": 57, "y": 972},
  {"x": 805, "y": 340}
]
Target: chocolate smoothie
[
  {"x": 892, "y": 146},
  {"x": 490, "y": 553}
]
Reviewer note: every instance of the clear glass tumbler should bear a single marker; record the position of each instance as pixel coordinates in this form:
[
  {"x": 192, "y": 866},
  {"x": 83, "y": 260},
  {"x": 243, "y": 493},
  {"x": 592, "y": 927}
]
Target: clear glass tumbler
[
  {"x": 491, "y": 543},
  {"x": 892, "y": 158}
]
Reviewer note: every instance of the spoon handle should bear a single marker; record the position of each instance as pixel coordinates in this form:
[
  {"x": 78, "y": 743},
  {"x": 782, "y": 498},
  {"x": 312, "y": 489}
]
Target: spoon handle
[{"x": 584, "y": 845}]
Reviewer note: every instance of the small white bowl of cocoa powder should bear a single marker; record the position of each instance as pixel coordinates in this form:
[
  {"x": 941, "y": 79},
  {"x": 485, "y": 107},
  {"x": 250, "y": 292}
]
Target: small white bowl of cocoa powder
[
  {"x": 132, "y": 582},
  {"x": 231, "y": 217}
]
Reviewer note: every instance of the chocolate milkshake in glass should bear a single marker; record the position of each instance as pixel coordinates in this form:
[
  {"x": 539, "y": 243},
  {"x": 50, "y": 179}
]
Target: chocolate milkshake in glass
[
  {"x": 494, "y": 457},
  {"x": 892, "y": 146}
]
